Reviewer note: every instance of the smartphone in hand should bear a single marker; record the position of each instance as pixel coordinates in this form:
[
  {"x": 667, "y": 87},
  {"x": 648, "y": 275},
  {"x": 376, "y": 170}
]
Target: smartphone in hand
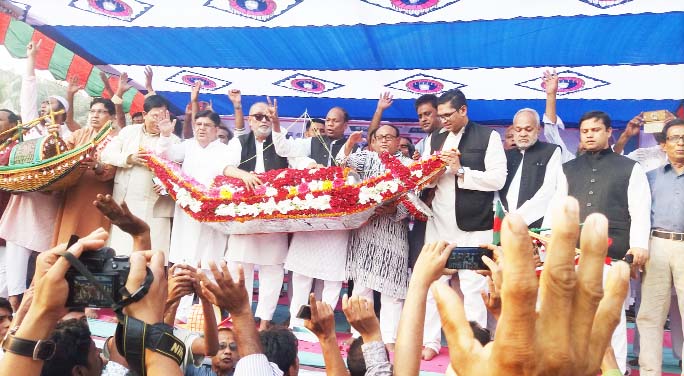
[
  {"x": 304, "y": 312},
  {"x": 468, "y": 258},
  {"x": 158, "y": 182}
]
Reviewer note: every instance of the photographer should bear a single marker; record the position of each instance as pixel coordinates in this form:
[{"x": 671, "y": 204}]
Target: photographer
[{"x": 52, "y": 289}]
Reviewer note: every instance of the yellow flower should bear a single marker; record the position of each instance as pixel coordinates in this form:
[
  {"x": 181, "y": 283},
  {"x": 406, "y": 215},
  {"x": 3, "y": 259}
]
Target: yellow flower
[
  {"x": 293, "y": 191},
  {"x": 225, "y": 193},
  {"x": 327, "y": 185}
]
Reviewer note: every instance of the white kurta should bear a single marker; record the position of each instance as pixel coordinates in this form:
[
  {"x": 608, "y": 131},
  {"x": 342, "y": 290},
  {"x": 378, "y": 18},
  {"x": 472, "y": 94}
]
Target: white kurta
[
  {"x": 133, "y": 184},
  {"x": 534, "y": 208},
  {"x": 260, "y": 249},
  {"x": 193, "y": 242},
  {"x": 443, "y": 225}
]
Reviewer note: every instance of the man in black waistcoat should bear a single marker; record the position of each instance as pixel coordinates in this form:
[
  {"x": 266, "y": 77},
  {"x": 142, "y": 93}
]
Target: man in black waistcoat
[
  {"x": 533, "y": 167},
  {"x": 463, "y": 199},
  {"x": 317, "y": 255},
  {"x": 249, "y": 155},
  {"x": 615, "y": 186}
]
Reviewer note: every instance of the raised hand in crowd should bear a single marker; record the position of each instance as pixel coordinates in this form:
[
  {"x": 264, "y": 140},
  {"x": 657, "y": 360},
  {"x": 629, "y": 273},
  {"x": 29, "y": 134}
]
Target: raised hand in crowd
[
  {"x": 576, "y": 319},
  {"x": 322, "y": 324},
  {"x": 550, "y": 79},
  {"x": 149, "y": 74},
  {"x": 384, "y": 102},
  {"x": 494, "y": 274},
  {"x": 235, "y": 97},
  {"x": 122, "y": 217},
  {"x": 273, "y": 113},
  {"x": 166, "y": 125},
  {"x": 48, "y": 304},
  {"x": 232, "y": 296},
  {"x": 181, "y": 283},
  {"x": 73, "y": 87},
  {"x": 633, "y": 128},
  {"x": 429, "y": 267}
]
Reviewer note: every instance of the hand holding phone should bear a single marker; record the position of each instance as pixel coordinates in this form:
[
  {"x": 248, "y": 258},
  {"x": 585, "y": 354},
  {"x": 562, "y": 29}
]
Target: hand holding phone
[
  {"x": 162, "y": 191},
  {"x": 469, "y": 258},
  {"x": 304, "y": 312}
]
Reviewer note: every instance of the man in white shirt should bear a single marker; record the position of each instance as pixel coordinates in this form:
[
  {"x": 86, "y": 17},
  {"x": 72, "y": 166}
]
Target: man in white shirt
[
  {"x": 203, "y": 158},
  {"x": 615, "y": 186},
  {"x": 316, "y": 254},
  {"x": 533, "y": 167},
  {"x": 247, "y": 155},
  {"x": 462, "y": 204}
]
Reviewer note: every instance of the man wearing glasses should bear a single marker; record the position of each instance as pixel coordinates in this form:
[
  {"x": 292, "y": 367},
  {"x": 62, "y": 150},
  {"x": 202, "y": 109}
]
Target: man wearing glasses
[
  {"x": 250, "y": 154},
  {"x": 377, "y": 257},
  {"x": 666, "y": 264},
  {"x": 462, "y": 204}
]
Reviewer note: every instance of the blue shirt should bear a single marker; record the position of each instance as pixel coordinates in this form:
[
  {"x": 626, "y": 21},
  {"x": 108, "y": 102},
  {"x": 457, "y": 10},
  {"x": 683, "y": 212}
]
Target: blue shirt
[{"x": 667, "y": 199}]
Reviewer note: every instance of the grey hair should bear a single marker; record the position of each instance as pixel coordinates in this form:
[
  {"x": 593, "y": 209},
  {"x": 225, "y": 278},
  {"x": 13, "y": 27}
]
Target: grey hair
[{"x": 530, "y": 110}]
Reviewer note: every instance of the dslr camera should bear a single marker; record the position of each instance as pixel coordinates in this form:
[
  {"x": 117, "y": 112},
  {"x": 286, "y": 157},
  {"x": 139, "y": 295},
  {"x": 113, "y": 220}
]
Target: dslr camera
[{"x": 110, "y": 271}]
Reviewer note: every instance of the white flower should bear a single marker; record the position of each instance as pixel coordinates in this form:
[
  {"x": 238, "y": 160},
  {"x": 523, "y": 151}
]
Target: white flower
[
  {"x": 417, "y": 173},
  {"x": 184, "y": 199},
  {"x": 271, "y": 192},
  {"x": 226, "y": 210}
]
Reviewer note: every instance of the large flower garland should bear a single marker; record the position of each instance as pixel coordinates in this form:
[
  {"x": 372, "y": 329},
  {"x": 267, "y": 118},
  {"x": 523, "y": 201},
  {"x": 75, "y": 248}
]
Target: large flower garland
[{"x": 292, "y": 193}]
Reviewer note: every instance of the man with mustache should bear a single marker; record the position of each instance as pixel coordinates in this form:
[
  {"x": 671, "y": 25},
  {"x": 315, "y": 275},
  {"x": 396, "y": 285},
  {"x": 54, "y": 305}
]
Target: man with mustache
[
  {"x": 249, "y": 155},
  {"x": 316, "y": 254}
]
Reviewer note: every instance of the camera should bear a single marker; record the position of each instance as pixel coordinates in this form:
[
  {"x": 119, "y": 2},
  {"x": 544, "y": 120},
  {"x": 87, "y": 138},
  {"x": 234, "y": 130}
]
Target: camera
[{"x": 110, "y": 271}]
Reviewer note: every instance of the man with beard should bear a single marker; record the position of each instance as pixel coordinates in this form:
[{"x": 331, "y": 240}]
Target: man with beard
[
  {"x": 533, "y": 167},
  {"x": 28, "y": 221},
  {"x": 249, "y": 155}
]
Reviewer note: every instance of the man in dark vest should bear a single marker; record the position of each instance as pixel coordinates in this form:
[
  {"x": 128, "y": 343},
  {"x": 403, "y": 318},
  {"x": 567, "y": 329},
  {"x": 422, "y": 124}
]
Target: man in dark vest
[
  {"x": 533, "y": 168},
  {"x": 615, "y": 186},
  {"x": 251, "y": 154},
  {"x": 463, "y": 200},
  {"x": 317, "y": 255}
]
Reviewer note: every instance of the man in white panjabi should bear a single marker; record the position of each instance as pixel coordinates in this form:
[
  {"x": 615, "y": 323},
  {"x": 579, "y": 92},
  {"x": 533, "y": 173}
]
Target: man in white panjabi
[
  {"x": 316, "y": 254},
  {"x": 203, "y": 158},
  {"x": 133, "y": 180},
  {"x": 249, "y": 154},
  {"x": 462, "y": 204},
  {"x": 28, "y": 221}
]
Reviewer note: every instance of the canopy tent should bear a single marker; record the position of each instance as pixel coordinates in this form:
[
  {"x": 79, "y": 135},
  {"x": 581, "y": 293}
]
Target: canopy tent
[{"x": 620, "y": 56}]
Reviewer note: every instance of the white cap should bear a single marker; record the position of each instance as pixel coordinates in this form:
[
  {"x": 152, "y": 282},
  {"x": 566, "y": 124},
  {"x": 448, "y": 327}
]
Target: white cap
[{"x": 61, "y": 100}]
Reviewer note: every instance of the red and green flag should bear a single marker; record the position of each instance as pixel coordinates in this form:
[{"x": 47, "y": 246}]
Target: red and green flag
[
  {"x": 61, "y": 62},
  {"x": 498, "y": 220}
]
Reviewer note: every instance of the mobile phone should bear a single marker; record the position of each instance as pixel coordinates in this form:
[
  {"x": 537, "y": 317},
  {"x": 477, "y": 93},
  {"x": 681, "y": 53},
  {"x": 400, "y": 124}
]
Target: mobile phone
[
  {"x": 304, "y": 312},
  {"x": 158, "y": 182},
  {"x": 468, "y": 258}
]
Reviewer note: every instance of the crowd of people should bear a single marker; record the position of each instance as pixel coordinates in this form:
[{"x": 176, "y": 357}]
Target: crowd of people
[{"x": 503, "y": 320}]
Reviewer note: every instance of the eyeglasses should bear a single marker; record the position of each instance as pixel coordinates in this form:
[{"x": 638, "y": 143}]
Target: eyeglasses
[
  {"x": 99, "y": 112},
  {"x": 386, "y": 137},
  {"x": 446, "y": 116},
  {"x": 232, "y": 346},
  {"x": 261, "y": 117},
  {"x": 675, "y": 138}
]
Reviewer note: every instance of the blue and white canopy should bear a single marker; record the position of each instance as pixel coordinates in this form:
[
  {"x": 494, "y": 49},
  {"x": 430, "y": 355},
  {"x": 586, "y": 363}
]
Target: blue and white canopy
[{"x": 620, "y": 56}]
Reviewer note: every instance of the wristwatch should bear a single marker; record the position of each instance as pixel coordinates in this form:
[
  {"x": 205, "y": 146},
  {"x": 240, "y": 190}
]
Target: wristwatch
[
  {"x": 460, "y": 172},
  {"x": 38, "y": 350}
]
